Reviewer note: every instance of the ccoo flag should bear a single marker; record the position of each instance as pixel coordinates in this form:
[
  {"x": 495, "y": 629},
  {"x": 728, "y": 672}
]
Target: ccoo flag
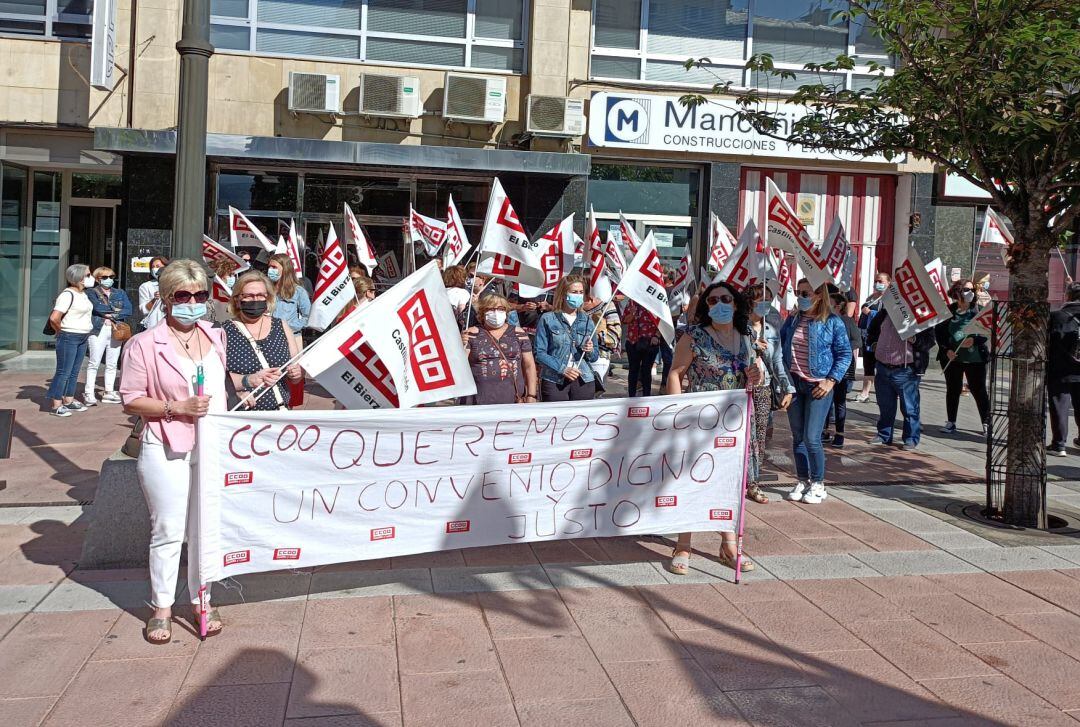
[
  {"x": 558, "y": 259},
  {"x": 242, "y": 233},
  {"x": 333, "y": 289},
  {"x": 721, "y": 243},
  {"x": 784, "y": 231},
  {"x": 643, "y": 283},
  {"x": 354, "y": 236},
  {"x": 457, "y": 242},
  {"x": 912, "y": 300},
  {"x": 596, "y": 262},
  {"x": 505, "y": 249}
]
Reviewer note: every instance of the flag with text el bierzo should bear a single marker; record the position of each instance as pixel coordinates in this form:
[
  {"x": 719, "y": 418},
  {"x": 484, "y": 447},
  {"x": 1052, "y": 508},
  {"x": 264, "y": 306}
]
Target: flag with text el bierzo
[
  {"x": 557, "y": 260},
  {"x": 333, "y": 288},
  {"x": 505, "y": 248},
  {"x": 643, "y": 283}
]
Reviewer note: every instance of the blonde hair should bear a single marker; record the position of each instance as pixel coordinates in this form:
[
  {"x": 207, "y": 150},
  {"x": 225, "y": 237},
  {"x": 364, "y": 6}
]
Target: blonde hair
[
  {"x": 179, "y": 273},
  {"x": 362, "y": 284},
  {"x": 285, "y": 287},
  {"x": 104, "y": 272},
  {"x": 251, "y": 276},
  {"x": 490, "y": 301},
  {"x": 454, "y": 276},
  {"x": 563, "y": 286},
  {"x": 822, "y": 307}
]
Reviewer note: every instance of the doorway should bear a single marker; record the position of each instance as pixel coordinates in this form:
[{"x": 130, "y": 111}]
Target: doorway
[{"x": 93, "y": 235}]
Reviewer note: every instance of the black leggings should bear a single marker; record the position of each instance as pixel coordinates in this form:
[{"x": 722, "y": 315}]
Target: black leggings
[
  {"x": 567, "y": 390},
  {"x": 641, "y": 357},
  {"x": 954, "y": 385}
]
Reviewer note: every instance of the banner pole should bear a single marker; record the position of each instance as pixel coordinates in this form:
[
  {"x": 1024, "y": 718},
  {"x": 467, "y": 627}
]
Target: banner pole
[
  {"x": 596, "y": 325},
  {"x": 746, "y": 477}
]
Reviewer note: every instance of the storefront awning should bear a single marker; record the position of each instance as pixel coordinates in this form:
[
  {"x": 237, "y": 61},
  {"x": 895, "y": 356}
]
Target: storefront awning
[{"x": 351, "y": 153}]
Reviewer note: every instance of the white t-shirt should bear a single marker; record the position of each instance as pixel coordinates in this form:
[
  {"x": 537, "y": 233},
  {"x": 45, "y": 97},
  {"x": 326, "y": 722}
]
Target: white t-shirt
[
  {"x": 459, "y": 298},
  {"x": 146, "y": 294},
  {"x": 76, "y": 309}
]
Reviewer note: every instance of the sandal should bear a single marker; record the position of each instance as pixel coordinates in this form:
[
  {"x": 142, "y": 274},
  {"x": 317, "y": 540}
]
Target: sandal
[
  {"x": 754, "y": 493},
  {"x": 729, "y": 561},
  {"x": 159, "y": 624},
  {"x": 680, "y": 563},
  {"x": 212, "y": 616}
]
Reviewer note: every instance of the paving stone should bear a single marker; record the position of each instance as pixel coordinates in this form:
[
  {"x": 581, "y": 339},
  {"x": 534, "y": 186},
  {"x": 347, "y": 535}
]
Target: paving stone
[
  {"x": 67, "y": 639},
  {"x": 801, "y": 627},
  {"x": 257, "y": 645},
  {"x": 794, "y": 567},
  {"x": 1059, "y": 629},
  {"x": 918, "y": 650},
  {"x": 917, "y": 522},
  {"x": 461, "y": 605},
  {"x": 1070, "y": 553},
  {"x": 427, "y": 645},
  {"x": 951, "y": 541},
  {"x": 906, "y": 563},
  {"x": 995, "y": 560},
  {"x": 248, "y": 705},
  {"x": 552, "y": 669},
  {"x": 489, "y": 578},
  {"x": 883, "y": 536},
  {"x": 367, "y": 719},
  {"x": 20, "y": 569},
  {"x": 262, "y": 587},
  {"x": 28, "y": 712},
  {"x": 992, "y": 594},
  {"x": 592, "y": 576},
  {"x": 16, "y": 515},
  {"x": 572, "y": 551},
  {"x": 838, "y": 544},
  {"x": 370, "y": 583},
  {"x": 22, "y": 599},
  {"x": 792, "y": 706},
  {"x": 126, "y": 640},
  {"x": 742, "y": 658},
  {"x": 500, "y": 555},
  {"x": 629, "y": 631},
  {"x": 104, "y": 595},
  {"x": 848, "y": 600},
  {"x": 129, "y": 692},
  {"x": 1039, "y": 667},
  {"x": 868, "y": 503},
  {"x": 592, "y": 712},
  {"x": 693, "y": 607},
  {"x": 347, "y": 622},
  {"x": 705, "y": 570},
  {"x": 958, "y": 620},
  {"x": 1057, "y": 588},
  {"x": 518, "y": 614},
  {"x": 457, "y": 700},
  {"x": 997, "y": 700},
  {"x": 763, "y": 592},
  {"x": 663, "y": 693},
  {"x": 344, "y": 681},
  {"x": 893, "y": 586}
]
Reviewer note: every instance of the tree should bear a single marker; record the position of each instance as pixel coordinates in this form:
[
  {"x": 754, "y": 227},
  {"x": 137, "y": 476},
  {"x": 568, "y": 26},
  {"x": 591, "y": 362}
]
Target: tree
[{"x": 988, "y": 90}]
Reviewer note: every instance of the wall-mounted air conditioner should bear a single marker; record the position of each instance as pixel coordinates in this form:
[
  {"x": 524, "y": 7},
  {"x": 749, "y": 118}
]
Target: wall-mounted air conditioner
[
  {"x": 314, "y": 93},
  {"x": 555, "y": 116},
  {"x": 384, "y": 94},
  {"x": 474, "y": 99}
]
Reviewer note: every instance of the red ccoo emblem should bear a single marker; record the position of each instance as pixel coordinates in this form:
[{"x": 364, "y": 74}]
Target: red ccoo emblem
[
  {"x": 519, "y": 458},
  {"x": 638, "y": 411},
  {"x": 667, "y": 501},
  {"x": 383, "y": 533},
  {"x": 458, "y": 526},
  {"x": 239, "y": 478},
  {"x": 580, "y": 453},
  {"x": 720, "y": 514},
  {"x": 286, "y": 554},
  {"x": 237, "y": 556},
  {"x": 723, "y": 442}
]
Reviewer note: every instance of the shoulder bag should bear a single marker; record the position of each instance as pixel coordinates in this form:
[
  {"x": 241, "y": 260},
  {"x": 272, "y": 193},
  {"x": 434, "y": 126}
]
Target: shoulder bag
[
  {"x": 262, "y": 359},
  {"x": 48, "y": 330}
]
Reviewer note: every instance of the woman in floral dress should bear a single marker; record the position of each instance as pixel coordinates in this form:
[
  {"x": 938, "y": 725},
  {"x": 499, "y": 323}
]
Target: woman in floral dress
[{"x": 500, "y": 356}]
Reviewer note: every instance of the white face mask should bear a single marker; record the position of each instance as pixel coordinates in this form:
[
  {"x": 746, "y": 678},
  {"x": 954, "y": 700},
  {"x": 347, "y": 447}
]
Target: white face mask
[
  {"x": 88, "y": 281},
  {"x": 495, "y": 318}
]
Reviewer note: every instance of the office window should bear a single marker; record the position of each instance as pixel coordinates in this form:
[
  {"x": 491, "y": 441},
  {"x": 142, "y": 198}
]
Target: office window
[
  {"x": 650, "y": 40},
  {"x": 46, "y": 18},
  {"x": 477, "y": 34}
]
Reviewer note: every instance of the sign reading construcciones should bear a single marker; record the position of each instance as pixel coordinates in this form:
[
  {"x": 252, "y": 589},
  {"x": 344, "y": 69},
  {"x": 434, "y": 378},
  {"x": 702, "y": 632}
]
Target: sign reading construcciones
[
  {"x": 306, "y": 488},
  {"x": 636, "y": 121}
]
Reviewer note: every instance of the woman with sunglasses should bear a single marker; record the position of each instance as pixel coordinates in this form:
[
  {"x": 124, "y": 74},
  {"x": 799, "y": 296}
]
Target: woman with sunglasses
[
  {"x": 817, "y": 354},
  {"x": 717, "y": 354},
  {"x": 161, "y": 369},
  {"x": 962, "y": 356},
  {"x": 259, "y": 345}
]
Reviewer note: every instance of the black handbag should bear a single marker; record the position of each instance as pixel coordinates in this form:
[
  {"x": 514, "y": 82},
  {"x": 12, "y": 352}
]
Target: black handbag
[{"x": 48, "y": 330}]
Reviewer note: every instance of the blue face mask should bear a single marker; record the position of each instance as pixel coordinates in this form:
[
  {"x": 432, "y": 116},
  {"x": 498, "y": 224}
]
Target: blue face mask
[
  {"x": 722, "y": 312},
  {"x": 188, "y": 313},
  {"x": 879, "y": 287},
  {"x": 575, "y": 300},
  {"x": 154, "y": 272},
  {"x": 107, "y": 283},
  {"x": 230, "y": 281},
  {"x": 763, "y": 308},
  {"x": 805, "y": 304},
  {"x": 274, "y": 274}
]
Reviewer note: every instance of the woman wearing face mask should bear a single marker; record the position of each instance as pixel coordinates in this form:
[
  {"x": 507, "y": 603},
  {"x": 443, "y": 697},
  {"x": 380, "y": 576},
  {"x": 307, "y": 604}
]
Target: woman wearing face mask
[
  {"x": 111, "y": 306},
  {"x": 962, "y": 356},
  {"x": 224, "y": 270},
  {"x": 292, "y": 304},
  {"x": 500, "y": 356},
  {"x": 776, "y": 385},
  {"x": 455, "y": 278},
  {"x": 869, "y": 309},
  {"x": 817, "y": 354},
  {"x": 160, "y": 368},
  {"x": 566, "y": 346},
  {"x": 259, "y": 345},
  {"x": 983, "y": 297},
  {"x": 717, "y": 354},
  {"x": 149, "y": 299},
  {"x": 71, "y": 319},
  {"x": 838, "y": 414}
]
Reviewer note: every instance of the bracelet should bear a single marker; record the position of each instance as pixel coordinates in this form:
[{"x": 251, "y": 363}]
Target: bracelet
[
  {"x": 244, "y": 383},
  {"x": 168, "y": 412}
]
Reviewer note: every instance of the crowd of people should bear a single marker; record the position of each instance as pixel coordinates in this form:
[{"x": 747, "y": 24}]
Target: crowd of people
[{"x": 191, "y": 360}]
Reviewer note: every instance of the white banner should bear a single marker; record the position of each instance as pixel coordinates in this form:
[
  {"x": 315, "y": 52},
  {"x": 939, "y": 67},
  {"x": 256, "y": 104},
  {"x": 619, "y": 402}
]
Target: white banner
[
  {"x": 557, "y": 259},
  {"x": 912, "y": 300},
  {"x": 333, "y": 289},
  {"x": 243, "y": 233},
  {"x": 354, "y": 236},
  {"x": 643, "y": 283},
  {"x": 784, "y": 231},
  {"x": 391, "y": 483}
]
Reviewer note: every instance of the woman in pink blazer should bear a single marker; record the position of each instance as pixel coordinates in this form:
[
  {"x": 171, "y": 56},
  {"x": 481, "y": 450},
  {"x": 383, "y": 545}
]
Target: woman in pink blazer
[{"x": 160, "y": 369}]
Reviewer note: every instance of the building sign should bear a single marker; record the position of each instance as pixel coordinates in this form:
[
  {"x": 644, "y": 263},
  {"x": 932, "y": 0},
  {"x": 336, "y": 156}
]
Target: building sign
[
  {"x": 637, "y": 121},
  {"x": 954, "y": 187},
  {"x": 103, "y": 45}
]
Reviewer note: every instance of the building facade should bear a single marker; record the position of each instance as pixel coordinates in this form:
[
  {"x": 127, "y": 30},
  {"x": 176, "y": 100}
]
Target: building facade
[{"x": 390, "y": 103}]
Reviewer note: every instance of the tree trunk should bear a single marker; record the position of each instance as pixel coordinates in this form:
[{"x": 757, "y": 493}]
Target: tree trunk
[{"x": 1028, "y": 313}]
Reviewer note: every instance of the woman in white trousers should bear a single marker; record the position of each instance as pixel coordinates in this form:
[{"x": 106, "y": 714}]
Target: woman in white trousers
[{"x": 111, "y": 306}]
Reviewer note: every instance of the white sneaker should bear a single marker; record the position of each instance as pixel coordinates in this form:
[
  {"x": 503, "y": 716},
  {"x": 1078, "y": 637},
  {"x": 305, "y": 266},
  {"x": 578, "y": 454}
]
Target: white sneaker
[
  {"x": 796, "y": 494},
  {"x": 110, "y": 397},
  {"x": 816, "y": 495},
  {"x": 90, "y": 401},
  {"x": 949, "y": 428}
]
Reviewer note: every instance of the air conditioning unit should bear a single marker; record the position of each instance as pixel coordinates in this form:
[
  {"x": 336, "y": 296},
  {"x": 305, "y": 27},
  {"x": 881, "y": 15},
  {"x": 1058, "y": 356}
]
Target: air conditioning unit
[
  {"x": 555, "y": 116},
  {"x": 314, "y": 93},
  {"x": 388, "y": 95},
  {"x": 474, "y": 99}
]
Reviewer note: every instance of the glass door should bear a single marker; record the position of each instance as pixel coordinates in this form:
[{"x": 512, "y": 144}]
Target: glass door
[
  {"x": 46, "y": 277},
  {"x": 13, "y": 188}
]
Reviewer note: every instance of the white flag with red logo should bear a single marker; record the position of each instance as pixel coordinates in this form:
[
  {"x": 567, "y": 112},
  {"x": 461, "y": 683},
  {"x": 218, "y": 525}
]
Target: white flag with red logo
[
  {"x": 243, "y": 233},
  {"x": 505, "y": 249},
  {"x": 750, "y": 264},
  {"x": 721, "y": 242},
  {"x": 290, "y": 246},
  {"x": 355, "y": 237},
  {"x": 220, "y": 297},
  {"x": 558, "y": 259},
  {"x": 457, "y": 242},
  {"x": 345, "y": 365},
  {"x": 913, "y": 300},
  {"x": 994, "y": 231},
  {"x": 629, "y": 235},
  {"x": 616, "y": 263},
  {"x": 595, "y": 260},
  {"x": 429, "y": 231},
  {"x": 936, "y": 270},
  {"x": 839, "y": 256},
  {"x": 213, "y": 251},
  {"x": 333, "y": 289},
  {"x": 643, "y": 283},
  {"x": 784, "y": 231},
  {"x": 684, "y": 275}
]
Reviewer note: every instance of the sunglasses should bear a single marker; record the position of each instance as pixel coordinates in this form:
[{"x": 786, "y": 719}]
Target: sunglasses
[
  {"x": 714, "y": 299},
  {"x": 186, "y": 296}
]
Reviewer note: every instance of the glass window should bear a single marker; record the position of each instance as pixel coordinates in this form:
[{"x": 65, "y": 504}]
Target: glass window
[
  {"x": 299, "y": 43},
  {"x": 802, "y": 78},
  {"x": 97, "y": 186},
  {"x": 698, "y": 27},
  {"x": 230, "y": 37},
  {"x": 498, "y": 19},
  {"x": 415, "y": 51},
  {"x": 12, "y": 257},
  {"x": 248, "y": 191},
  {"x": 644, "y": 190},
  {"x": 342, "y": 14},
  {"x": 675, "y": 72},
  {"x": 71, "y": 18},
  {"x": 229, "y": 8},
  {"x": 378, "y": 197},
  {"x": 418, "y": 17},
  {"x": 45, "y": 273},
  {"x": 615, "y": 67},
  {"x": 868, "y": 46},
  {"x": 470, "y": 198},
  {"x": 617, "y": 23},
  {"x": 799, "y": 31}
]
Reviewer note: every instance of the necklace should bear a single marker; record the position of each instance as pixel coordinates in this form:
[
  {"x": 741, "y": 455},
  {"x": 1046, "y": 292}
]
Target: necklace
[
  {"x": 257, "y": 334},
  {"x": 187, "y": 343}
]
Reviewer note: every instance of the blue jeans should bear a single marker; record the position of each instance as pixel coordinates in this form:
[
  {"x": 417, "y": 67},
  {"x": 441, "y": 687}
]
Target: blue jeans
[
  {"x": 892, "y": 383},
  {"x": 70, "y": 352},
  {"x": 806, "y": 417}
]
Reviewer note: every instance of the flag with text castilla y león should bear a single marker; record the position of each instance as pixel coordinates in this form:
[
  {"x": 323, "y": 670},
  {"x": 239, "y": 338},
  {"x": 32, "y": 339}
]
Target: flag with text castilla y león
[
  {"x": 505, "y": 249},
  {"x": 401, "y": 350},
  {"x": 912, "y": 300},
  {"x": 457, "y": 242},
  {"x": 643, "y": 283},
  {"x": 427, "y": 230},
  {"x": 749, "y": 264},
  {"x": 784, "y": 231},
  {"x": 839, "y": 256},
  {"x": 243, "y": 233},
  {"x": 629, "y": 235},
  {"x": 355, "y": 237},
  {"x": 596, "y": 261},
  {"x": 558, "y": 258},
  {"x": 721, "y": 243},
  {"x": 213, "y": 251},
  {"x": 333, "y": 289}
]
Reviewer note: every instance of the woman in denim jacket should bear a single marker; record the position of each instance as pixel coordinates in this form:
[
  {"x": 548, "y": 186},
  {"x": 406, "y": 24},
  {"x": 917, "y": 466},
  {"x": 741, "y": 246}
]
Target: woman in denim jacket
[
  {"x": 111, "y": 305},
  {"x": 566, "y": 345},
  {"x": 817, "y": 354}
]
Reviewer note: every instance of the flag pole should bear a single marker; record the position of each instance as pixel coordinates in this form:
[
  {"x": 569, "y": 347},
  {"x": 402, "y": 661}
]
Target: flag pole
[
  {"x": 257, "y": 393},
  {"x": 596, "y": 324},
  {"x": 1064, "y": 265}
]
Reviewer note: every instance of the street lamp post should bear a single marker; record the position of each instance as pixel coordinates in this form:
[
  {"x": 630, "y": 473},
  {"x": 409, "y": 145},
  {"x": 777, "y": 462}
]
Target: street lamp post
[{"x": 190, "y": 201}]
